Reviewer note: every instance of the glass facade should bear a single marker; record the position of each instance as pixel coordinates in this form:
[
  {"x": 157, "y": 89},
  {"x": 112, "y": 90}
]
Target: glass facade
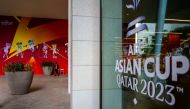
[{"x": 145, "y": 54}]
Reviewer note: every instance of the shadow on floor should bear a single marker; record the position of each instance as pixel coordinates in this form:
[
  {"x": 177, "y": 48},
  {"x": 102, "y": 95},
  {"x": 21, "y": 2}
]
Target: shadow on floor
[{"x": 34, "y": 89}]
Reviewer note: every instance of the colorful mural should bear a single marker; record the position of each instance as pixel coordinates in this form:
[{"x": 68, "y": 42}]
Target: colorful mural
[{"x": 33, "y": 40}]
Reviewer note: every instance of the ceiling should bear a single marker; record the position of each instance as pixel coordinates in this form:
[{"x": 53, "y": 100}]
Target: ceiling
[{"x": 35, "y": 8}]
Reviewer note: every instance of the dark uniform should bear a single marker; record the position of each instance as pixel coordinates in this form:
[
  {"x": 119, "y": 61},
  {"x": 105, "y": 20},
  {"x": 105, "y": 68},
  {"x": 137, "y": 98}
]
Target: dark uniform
[{"x": 56, "y": 70}]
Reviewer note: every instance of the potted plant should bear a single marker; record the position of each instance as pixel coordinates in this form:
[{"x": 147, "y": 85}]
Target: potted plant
[
  {"x": 19, "y": 77},
  {"x": 47, "y": 67}
]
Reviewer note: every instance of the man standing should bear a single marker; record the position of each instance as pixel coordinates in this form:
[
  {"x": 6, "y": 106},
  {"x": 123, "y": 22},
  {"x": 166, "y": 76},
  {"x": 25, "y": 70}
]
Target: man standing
[{"x": 56, "y": 69}]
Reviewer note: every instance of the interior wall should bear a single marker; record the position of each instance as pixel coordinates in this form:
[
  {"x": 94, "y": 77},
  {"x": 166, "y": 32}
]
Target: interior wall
[{"x": 35, "y": 8}]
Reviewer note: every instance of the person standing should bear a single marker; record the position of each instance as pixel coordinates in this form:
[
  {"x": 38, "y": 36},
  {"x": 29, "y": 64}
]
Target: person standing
[{"x": 56, "y": 69}]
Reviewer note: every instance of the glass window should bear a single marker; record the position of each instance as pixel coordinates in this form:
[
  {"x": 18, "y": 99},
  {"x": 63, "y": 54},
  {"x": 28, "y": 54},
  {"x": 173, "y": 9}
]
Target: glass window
[{"x": 145, "y": 54}]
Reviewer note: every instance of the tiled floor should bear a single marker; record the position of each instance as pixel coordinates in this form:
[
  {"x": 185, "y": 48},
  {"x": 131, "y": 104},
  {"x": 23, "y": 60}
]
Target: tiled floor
[{"x": 47, "y": 92}]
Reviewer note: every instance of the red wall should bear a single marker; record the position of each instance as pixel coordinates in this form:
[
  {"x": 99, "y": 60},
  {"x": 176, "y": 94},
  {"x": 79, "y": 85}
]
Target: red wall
[{"x": 40, "y": 30}]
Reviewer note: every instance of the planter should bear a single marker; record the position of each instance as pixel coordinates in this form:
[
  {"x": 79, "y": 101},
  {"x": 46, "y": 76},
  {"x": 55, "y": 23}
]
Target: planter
[
  {"x": 47, "y": 70},
  {"x": 19, "y": 82}
]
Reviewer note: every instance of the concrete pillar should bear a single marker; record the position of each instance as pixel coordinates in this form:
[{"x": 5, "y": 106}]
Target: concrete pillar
[{"x": 85, "y": 50}]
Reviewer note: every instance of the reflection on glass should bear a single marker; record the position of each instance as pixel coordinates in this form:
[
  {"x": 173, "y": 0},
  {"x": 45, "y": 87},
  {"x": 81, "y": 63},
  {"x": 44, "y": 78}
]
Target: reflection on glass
[{"x": 144, "y": 76}]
